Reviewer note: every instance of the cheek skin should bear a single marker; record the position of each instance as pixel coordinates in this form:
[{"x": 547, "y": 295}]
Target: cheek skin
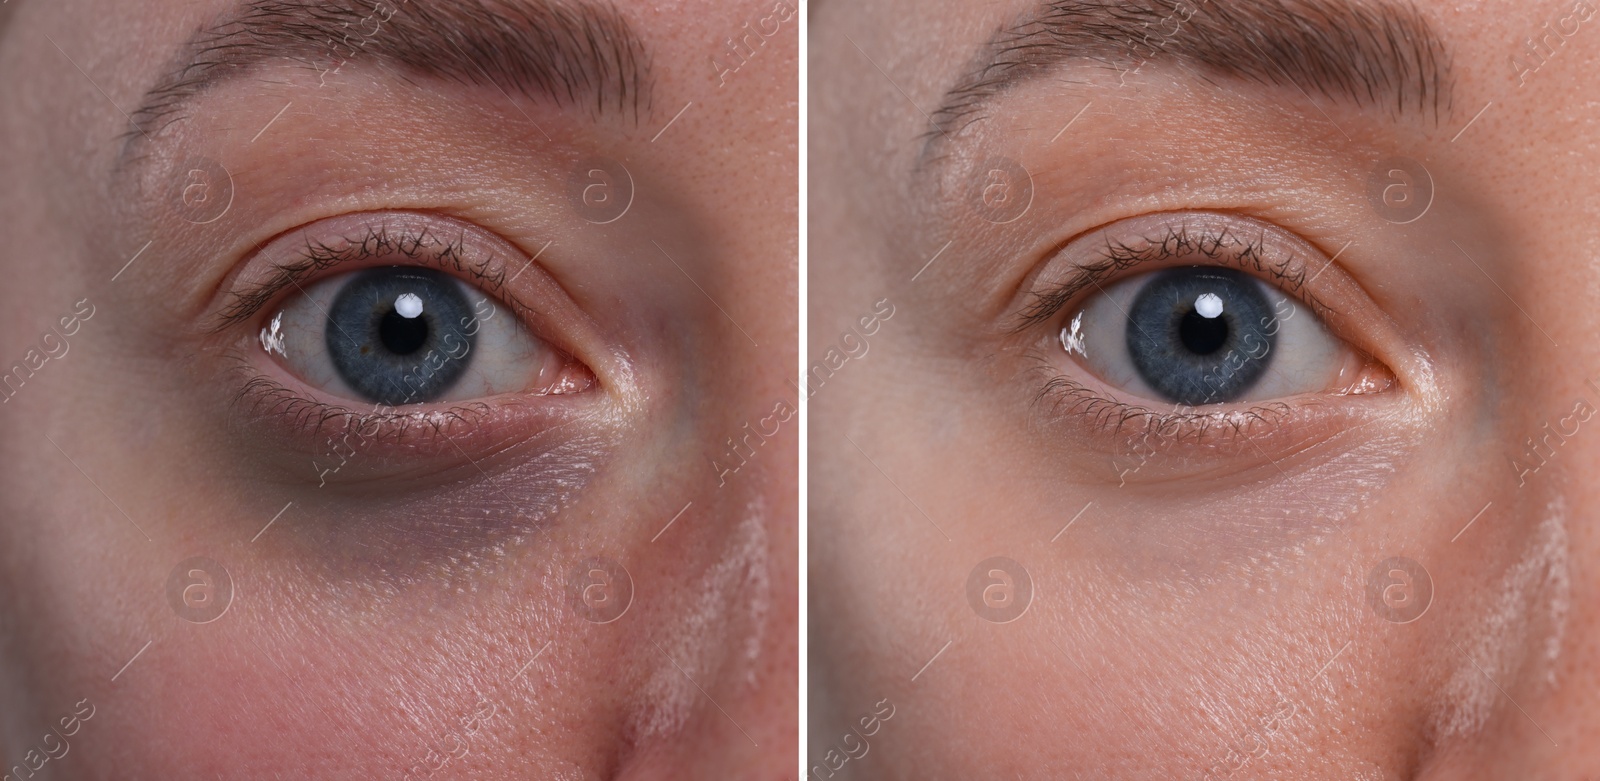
[
  {"x": 731, "y": 599},
  {"x": 317, "y": 668},
  {"x": 1518, "y": 626},
  {"x": 1162, "y": 671},
  {"x": 275, "y": 686}
]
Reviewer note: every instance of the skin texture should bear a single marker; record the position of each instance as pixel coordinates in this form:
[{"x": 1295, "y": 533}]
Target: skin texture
[
  {"x": 418, "y": 604},
  {"x": 1203, "y": 610}
]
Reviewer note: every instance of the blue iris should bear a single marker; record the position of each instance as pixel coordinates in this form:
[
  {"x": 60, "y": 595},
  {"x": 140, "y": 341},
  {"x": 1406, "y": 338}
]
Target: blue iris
[
  {"x": 1201, "y": 335},
  {"x": 399, "y": 335}
]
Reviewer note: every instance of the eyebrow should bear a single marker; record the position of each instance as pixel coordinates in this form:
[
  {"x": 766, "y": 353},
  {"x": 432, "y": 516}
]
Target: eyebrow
[
  {"x": 1367, "y": 53},
  {"x": 567, "y": 53}
]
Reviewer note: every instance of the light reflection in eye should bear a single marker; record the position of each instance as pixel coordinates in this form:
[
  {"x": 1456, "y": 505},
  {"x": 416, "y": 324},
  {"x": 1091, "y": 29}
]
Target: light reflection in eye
[
  {"x": 272, "y": 335},
  {"x": 1073, "y": 342}
]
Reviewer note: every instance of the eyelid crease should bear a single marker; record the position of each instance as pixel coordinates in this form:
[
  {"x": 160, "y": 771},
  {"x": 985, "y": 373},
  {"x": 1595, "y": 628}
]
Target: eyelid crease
[
  {"x": 379, "y": 241},
  {"x": 1178, "y": 241}
]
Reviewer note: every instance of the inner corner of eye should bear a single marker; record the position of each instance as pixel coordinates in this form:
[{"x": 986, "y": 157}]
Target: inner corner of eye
[{"x": 399, "y": 335}]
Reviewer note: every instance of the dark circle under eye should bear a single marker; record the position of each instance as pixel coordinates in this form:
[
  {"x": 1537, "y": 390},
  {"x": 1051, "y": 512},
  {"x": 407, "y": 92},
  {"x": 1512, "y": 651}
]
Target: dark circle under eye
[
  {"x": 1201, "y": 335},
  {"x": 397, "y": 335}
]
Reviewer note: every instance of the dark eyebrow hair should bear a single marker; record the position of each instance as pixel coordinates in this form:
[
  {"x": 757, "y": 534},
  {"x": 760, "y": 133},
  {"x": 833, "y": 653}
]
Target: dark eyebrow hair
[
  {"x": 566, "y": 52},
  {"x": 1370, "y": 53}
]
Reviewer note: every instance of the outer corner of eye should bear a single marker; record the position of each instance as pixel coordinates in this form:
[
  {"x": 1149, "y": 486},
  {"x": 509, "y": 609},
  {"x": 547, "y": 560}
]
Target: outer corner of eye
[
  {"x": 401, "y": 335},
  {"x": 1208, "y": 335}
]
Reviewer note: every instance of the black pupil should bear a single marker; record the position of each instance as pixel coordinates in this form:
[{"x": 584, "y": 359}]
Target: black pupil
[
  {"x": 403, "y": 335},
  {"x": 1203, "y": 335}
]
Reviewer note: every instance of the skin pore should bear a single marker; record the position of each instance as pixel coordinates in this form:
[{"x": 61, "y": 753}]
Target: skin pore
[
  {"x": 1378, "y": 580},
  {"x": 551, "y": 581}
]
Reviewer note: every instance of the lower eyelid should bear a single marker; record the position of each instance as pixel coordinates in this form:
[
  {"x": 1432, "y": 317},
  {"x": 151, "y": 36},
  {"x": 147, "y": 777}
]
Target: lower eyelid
[
  {"x": 1106, "y": 416},
  {"x": 267, "y": 398},
  {"x": 1104, "y": 428},
  {"x": 305, "y": 436}
]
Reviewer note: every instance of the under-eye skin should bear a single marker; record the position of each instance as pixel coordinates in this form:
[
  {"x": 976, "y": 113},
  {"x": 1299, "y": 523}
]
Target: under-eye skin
[
  {"x": 1192, "y": 325},
  {"x": 399, "y": 330}
]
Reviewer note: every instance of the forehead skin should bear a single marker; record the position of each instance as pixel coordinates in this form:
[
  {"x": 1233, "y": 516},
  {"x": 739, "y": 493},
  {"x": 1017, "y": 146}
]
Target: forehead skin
[
  {"x": 1143, "y": 675},
  {"x": 304, "y": 676}
]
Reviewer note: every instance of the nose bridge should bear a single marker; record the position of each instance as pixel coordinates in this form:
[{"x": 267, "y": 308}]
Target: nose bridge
[
  {"x": 1555, "y": 460},
  {"x": 1518, "y": 618}
]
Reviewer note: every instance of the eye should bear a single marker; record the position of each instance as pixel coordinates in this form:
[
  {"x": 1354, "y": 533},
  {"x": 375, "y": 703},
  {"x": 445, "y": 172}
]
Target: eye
[
  {"x": 1196, "y": 335},
  {"x": 399, "y": 335}
]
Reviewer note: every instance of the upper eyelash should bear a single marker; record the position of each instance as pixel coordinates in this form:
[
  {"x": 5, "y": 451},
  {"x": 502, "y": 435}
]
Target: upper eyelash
[
  {"x": 1177, "y": 241},
  {"x": 316, "y": 256}
]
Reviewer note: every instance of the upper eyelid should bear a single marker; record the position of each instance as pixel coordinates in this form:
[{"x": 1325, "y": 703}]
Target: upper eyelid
[
  {"x": 318, "y": 255},
  {"x": 1177, "y": 240}
]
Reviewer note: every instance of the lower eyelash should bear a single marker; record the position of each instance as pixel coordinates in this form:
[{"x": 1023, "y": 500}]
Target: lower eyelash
[
  {"x": 1066, "y": 396},
  {"x": 262, "y": 396}
]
